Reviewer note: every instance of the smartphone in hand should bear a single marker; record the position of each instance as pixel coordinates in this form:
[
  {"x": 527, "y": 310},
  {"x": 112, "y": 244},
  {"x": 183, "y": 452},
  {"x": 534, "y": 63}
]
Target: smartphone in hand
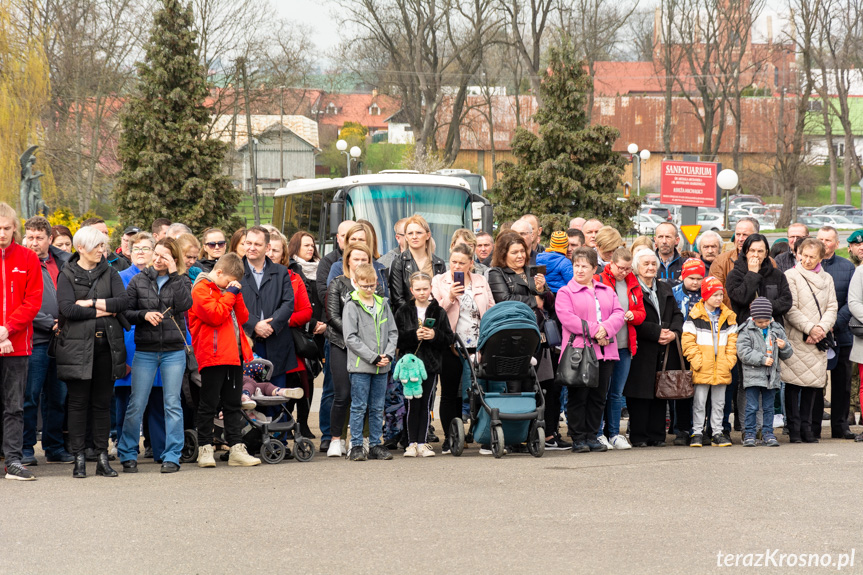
[
  {"x": 536, "y": 270},
  {"x": 458, "y": 277},
  {"x": 429, "y": 322}
]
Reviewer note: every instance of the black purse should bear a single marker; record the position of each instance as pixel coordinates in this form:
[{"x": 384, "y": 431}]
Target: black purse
[
  {"x": 551, "y": 331},
  {"x": 856, "y": 326},
  {"x": 191, "y": 360},
  {"x": 578, "y": 366},
  {"x": 304, "y": 344}
]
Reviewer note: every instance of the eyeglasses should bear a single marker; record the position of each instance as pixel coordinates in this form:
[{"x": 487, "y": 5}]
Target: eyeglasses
[
  {"x": 368, "y": 287},
  {"x": 623, "y": 269},
  {"x": 141, "y": 250},
  {"x": 212, "y": 245}
]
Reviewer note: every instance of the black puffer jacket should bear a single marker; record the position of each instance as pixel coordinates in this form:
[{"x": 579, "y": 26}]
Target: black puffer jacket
[
  {"x": 77, "y": 336},
  {"x": 206, "y": 265},
  {"x": 506, "y": 285},
  {"x": 431, "y": 351},
  {"x": 144, "y": 296},
  {"x": 400, "y": 277},
  {"x": 324, "y": 272},
  {"x": 744, "y": 286},
  {"x": 338, "y": 294}
]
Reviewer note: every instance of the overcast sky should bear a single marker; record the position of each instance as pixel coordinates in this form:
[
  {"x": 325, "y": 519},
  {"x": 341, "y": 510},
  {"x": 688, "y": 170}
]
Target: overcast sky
[{"x": 317, "y": 15}]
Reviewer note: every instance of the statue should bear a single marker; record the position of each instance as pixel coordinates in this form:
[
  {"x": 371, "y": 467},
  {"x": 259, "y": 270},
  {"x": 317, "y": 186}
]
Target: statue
[{"x": 31, "y": 187}]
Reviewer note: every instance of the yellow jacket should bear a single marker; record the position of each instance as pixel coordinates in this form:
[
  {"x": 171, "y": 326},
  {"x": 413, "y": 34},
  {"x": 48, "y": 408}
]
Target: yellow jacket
[{"x": 710, "y": 366}]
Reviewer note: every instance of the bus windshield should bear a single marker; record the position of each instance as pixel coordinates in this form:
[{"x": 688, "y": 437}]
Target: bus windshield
[{"x": 446, "y": 209}]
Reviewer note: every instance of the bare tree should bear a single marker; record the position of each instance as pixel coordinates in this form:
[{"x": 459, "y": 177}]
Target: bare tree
[
  {"x": 641, "y": 30},
  {"x": 527, "y": 21},
  {"x": 593, "y": 27},
  {"x": 667, "y": 61}
]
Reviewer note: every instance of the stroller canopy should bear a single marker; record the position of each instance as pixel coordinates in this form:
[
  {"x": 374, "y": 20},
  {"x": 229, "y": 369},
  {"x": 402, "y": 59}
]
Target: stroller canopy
[{"x": 506, "y": 315}]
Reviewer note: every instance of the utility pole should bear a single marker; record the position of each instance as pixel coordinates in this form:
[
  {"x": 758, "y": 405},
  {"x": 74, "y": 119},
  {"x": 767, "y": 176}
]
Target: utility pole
[
  {"x": 281, "y": 137},
  {"x": 241, "y": 62}
]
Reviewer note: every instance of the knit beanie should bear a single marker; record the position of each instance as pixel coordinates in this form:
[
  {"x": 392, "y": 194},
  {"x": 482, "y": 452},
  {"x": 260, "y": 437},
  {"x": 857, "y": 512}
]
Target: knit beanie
[
  {"x": 761, "y": 308},
  {"x": 559, "y": 243},
  {"x": 693, "y": 266},
  {"x": 710, "y": 286}
]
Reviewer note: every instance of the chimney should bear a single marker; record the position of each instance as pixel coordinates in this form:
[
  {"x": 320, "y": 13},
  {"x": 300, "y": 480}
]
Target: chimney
[
  {"x": 374, "y": 93},
  {"x": 770, "y": 29}
]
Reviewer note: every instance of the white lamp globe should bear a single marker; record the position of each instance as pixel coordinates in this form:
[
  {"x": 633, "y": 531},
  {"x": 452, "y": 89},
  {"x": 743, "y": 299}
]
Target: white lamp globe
[
  {"x": 341, "y": 145},
  {"x": 632, "y": 148},
  {"x": 356, "y": 152},
  {"x": 727, "y": 179},
  {"x": 645, "y": 155}
]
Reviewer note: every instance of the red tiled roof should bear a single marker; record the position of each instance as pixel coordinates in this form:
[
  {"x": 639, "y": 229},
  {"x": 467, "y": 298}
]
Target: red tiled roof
[
  {"x": 355, "y": 108},
  {"x": 624, "y": 78}
]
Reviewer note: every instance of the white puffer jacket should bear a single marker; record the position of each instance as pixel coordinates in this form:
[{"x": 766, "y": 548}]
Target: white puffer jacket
[{"x": 808, "y": 366}]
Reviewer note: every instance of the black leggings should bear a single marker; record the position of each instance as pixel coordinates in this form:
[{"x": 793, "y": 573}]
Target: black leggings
[
  {"x": 418, "y": 411},
  {"x": 223, "y": 382},
  {"x": 94, "y": 395},
  {"x": 586, "y": 405},
  {"x": 450, "y": 389},
  {"x": 799, "y": 402},
  {"x": 341, "y": 389}
]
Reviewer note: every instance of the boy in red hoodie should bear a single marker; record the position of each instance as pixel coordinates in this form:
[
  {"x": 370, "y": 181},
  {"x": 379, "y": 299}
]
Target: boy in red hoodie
[{"x": 215, "y": 321}]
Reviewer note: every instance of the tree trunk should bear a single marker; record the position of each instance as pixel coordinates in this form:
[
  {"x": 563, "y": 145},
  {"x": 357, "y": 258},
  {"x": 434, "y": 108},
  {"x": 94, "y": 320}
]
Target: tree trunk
[{"x": 831, "y": 151}]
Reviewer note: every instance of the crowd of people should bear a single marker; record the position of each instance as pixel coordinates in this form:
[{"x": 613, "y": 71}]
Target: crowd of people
[{"x": 157, "y": 336}]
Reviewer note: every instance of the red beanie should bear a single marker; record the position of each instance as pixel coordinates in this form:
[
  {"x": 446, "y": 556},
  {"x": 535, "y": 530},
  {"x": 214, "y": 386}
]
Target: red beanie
[
  {"x": 710, "y": 286},
  {"x": 693, "y": 266}
]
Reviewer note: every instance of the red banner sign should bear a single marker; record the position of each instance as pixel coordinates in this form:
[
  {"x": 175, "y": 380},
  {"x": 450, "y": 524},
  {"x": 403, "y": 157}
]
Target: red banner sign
[{"x": 688, "y": 184}]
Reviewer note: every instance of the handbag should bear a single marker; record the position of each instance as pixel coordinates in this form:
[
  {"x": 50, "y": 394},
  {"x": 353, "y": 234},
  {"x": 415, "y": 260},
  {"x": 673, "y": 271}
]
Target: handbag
[
  {"x": 675, "y": 383},
  {"x": 578, "y": 366},
  {"x": 551, "y": 331},
  {"x": 304, "y": 344},
  {"x": 856, "y": 326},
  {"x": 827, "y": 344},
  {"x": 191, "y": 360}
]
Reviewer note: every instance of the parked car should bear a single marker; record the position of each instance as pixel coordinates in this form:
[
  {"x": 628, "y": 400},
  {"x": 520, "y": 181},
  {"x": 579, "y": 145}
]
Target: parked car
[
  {"x": 765, "y": 223},
  {"x": 835, "y": 209},
  {"x": 838, "y": 222},
  {"x": 711, "y": 221},
  {"x": 645, "y": 224},
  {"x": 662, "y": 212}
]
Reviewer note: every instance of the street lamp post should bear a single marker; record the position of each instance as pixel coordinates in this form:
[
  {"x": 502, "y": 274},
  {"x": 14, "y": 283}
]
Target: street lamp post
[
  {"x": 281, "y": 137},
  {"x": 356, "y": 152},
  {"x": 637, "y": 158},
  {"x": 727, "y": 180},
  {"x": 342, "y": 146}
]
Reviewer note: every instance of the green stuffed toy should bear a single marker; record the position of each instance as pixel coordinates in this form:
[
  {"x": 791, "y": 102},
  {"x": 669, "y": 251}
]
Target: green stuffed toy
[{"x": 411, "y": 371}]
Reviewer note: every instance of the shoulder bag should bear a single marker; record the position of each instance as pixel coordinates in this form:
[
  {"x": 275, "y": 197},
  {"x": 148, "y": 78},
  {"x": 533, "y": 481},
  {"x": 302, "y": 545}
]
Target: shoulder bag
[
  {"x": 856, "y": 326},
  {"x": 827, "y": 344},
  {"x": 304, "y": 344},
  {"x": 578, "y": 367},
  {"x": 675, "y": 383},
  {"x": 191, "y": 360}
]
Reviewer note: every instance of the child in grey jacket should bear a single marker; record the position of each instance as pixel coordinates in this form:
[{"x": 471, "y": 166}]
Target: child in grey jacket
[
  {"x": 761, "y": 343},
  {"x": 371, "y": 335}
]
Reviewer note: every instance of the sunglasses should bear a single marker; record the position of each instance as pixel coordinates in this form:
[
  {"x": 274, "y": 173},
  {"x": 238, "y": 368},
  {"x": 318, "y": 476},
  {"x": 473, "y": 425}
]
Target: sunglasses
[{"x": 212, "y": 245}]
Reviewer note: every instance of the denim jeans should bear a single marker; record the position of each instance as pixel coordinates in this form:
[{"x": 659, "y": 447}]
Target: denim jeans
[
  {"x": 327, "y": 394},
  {"x": 614, "y": 401},
  {"x": 767, "y": 396},
  {"x": 172, "y": 366},
  {"x": 44, "y": 387},
  {"x": 367, "y": 392}
]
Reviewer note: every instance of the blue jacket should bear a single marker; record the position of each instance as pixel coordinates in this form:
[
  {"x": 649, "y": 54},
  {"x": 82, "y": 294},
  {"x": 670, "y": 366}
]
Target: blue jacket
[
  {"x": 685, "y": 299},
  {"x": 841, "y": 270},
  {"x": 380, "y": 269},
  {"x": 671, "y": 272},
  {"x": 558, "y": 269}
]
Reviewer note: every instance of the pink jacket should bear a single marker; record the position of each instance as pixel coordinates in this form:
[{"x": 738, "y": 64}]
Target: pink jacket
[
  {"x": 441, "y": 285},
  {"x": 575, "y": 302}
]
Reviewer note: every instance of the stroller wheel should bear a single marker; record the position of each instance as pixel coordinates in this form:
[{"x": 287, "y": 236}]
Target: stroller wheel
[
  {"x": 497, "y": 445},
  {"x": 190, "y": 447},
  {"x": 536, "y": 440},
  {"x": 273, "y": 451},
  {"x": 456, "y": 436},
  {"x": 304, "y": 450}
]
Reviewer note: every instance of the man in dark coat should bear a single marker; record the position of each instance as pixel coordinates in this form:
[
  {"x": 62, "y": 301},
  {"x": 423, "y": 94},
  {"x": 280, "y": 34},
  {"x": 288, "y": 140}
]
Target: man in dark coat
[
  {"x": 841, "y": 270},
  {"x": 666, "y": 239},
  {"x": 269, "y": 298},
  {"x": 796, "y": 233}
]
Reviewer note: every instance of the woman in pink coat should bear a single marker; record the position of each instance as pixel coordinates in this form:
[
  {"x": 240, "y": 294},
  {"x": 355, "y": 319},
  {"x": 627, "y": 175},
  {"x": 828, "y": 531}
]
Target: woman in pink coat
[
  {"x": 585, "y": 300},
  {"x": 464, "y": 303}
]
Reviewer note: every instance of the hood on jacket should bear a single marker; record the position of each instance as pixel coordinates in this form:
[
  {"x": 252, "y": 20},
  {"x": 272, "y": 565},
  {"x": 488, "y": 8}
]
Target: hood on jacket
[
  {"x": 576, "y": 287},
  {"x": 89, "y": 275},
  {"x": 698, "y": 311}
]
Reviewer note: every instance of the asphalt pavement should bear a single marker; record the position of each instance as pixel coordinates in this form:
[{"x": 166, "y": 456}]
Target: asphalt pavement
[{"x": 656, "y": 510}]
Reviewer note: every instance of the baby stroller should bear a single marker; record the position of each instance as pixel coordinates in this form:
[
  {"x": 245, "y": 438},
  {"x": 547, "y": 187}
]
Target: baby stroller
[{"x": 500, "y": 412}]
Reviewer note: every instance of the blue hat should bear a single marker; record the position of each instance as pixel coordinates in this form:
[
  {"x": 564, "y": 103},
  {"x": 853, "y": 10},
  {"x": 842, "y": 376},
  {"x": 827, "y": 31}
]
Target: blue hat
[{"x": 856, "y": 237}]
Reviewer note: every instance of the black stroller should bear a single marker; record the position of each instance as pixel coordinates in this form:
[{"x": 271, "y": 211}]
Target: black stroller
[{"x": 500, "y": 412}]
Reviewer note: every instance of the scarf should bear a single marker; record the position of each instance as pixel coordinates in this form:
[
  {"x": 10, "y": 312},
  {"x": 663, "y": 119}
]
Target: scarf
[
  {"x": 650, "y": 292},
  {"x": 310, "y": 269}
]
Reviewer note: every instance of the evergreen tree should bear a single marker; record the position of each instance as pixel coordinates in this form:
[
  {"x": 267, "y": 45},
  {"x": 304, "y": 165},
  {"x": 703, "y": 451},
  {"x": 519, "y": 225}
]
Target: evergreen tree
[
  {"x": 170, "y": 168},
  {"x": 569, "y": 169}
]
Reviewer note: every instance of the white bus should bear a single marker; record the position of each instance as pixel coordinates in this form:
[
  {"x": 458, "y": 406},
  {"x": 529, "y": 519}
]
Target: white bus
[{"x": 320, "y": 205}]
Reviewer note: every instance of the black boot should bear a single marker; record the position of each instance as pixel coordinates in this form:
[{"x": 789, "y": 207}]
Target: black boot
[
  {"x": 80, "y": 469},
  {"x": 103, "y": 467}
]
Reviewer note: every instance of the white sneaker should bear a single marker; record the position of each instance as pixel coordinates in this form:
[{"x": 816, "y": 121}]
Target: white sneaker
[
  {"x": 778, "y": 420},
  {"x": 205, "y": 456},
  {"x": 291, "y": 392},
  {"x": 335, "y": 449},
  {"x": 411, "y": 450},
  {"x": 425, "y": 450},
  {"x": 620, "y": 442},
  {"x": 239, "y": 457},
  {"x": 248, "y": 403},
  {"x": 604, "y": 440},
  {"x": 484, "y": 450}
]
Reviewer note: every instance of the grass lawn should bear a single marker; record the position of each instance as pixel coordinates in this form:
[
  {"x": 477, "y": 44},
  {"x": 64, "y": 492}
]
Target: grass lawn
[{"x": 821, "y": 197}]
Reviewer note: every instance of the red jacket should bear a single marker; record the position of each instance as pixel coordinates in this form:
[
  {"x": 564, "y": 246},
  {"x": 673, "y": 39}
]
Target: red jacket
[
  {"x": 214, "y": 335},
  {"x": 636, "y": 302},
  {"x": 21, "y": 290},
  {"x": 302, "y": 310}
]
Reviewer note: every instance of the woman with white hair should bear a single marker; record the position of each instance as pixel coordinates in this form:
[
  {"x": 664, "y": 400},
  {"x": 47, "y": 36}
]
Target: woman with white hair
[
  {"x": 663, "y": 325},
  {"x": 90, "y": 351}
]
